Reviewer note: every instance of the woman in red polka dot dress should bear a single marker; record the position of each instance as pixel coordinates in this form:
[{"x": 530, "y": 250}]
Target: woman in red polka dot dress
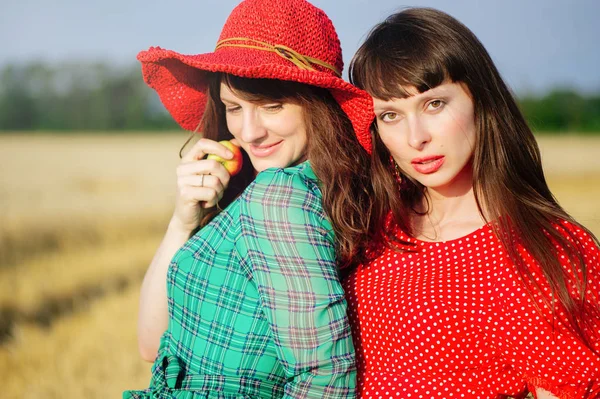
[{"x": 479, "y": 285}]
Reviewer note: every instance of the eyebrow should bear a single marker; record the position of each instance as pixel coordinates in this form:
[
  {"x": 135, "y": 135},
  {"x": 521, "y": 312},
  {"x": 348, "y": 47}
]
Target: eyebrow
[
  {"x": 382, "y": 107},
  {"x": 385, "y": 108}
]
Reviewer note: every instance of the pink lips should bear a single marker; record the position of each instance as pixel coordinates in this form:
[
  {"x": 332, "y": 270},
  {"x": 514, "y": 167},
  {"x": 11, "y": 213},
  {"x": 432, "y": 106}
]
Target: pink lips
[
  {"x": 262, "y": 151},
  {"x": 428, "y": 165}
]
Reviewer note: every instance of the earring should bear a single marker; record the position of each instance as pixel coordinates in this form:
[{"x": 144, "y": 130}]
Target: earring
[{"x": 396, "y": 171}]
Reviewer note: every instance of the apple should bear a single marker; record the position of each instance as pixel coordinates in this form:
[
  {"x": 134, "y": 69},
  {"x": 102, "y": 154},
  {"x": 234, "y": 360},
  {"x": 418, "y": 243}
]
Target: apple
[{"x": 233, "y": 165}]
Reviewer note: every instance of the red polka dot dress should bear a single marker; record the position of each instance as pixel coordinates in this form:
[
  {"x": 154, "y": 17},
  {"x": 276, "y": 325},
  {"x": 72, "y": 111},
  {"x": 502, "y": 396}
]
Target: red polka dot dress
[{"x": 453, "y": 320}]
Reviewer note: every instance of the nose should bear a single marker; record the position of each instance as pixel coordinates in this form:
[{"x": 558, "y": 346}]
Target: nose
[
  {"x": 253, "y": 128},
  {"x": 418, "y": 134}
]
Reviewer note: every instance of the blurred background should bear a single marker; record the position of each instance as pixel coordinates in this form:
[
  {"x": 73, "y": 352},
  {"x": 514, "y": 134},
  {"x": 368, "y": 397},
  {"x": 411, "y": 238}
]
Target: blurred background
[{"x": 87, "y": 158}]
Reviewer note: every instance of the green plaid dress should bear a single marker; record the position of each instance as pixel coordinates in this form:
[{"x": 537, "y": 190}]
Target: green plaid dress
[{"x": 256, "y": 309}]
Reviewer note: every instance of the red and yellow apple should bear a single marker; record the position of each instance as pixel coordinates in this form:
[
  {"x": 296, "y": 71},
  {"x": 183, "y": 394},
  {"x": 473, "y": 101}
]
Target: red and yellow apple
[{"x": 233, "y": 165}]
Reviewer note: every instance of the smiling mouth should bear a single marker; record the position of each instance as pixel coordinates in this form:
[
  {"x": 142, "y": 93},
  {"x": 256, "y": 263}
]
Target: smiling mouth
[
  {"x": 262, "y": 147},
  {"x": 264, "y": 150}
]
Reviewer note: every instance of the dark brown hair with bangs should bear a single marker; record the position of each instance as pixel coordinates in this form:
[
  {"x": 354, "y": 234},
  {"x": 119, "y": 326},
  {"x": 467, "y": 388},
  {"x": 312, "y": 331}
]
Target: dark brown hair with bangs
[
  {"x": 422, "y": 48},
  {"x": 333, "y": 150}
]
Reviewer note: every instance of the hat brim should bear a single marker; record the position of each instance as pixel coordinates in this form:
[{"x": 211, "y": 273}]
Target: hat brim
[{"x": 180, "y": 81}]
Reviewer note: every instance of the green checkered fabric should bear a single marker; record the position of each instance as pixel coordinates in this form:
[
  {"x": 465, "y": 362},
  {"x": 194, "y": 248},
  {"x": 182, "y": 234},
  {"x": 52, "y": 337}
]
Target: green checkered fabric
[{"x": 255, "y": 304}]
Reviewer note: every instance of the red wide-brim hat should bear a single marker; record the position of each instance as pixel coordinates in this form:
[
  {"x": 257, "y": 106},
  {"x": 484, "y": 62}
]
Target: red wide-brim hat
[{"x": 271, "y": 39}]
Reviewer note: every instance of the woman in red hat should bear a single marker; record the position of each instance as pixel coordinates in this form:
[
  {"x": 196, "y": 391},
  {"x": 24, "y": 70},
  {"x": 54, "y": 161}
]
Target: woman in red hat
[
  {"x": 242, "y": 298},
  {"x": 479, "y": 285}
]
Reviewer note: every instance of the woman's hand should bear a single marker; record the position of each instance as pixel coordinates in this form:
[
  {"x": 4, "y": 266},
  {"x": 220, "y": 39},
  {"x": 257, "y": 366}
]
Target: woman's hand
[{"x": 200, "y": 183}]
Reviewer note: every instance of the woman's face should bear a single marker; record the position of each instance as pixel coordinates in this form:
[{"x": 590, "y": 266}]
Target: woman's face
[
  {"x": 431, "y": 135},
  {"x": 273, "y": 133}
]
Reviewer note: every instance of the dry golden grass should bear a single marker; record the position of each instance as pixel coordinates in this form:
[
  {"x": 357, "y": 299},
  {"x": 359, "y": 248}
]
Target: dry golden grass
[
  {"x": 90, "y": 354},
  {"x": 49, "y": 178},
  {"x": 57, "y": 275},
  {"x": 572, "y": 167},
  {"x": 80, "y": 217}
]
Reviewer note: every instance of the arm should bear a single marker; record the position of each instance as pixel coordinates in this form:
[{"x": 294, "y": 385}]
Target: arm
[
  {"x": 153, "y": 313},
  {"x": 200, "y": 184},
  {"x": 290, "y": 250},
  {"x": 543, "y": 394}
]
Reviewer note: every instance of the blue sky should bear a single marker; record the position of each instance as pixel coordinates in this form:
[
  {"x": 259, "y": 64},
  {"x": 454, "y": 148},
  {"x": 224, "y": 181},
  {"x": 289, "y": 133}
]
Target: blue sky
[{"x": 537, "y": 44}]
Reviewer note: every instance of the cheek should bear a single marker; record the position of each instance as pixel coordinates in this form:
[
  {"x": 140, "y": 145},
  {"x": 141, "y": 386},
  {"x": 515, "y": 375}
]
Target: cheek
[
  {"x": 393, "y": 142},
  {"x": 233, "y": 124},
  {"x": 471, "y": 132},
  {"x": 301, "y": 133},
  {"x": 464, "y": 135},
  {"x": 290, "y": 128},
  {"x": 297, "y": 128},
  {"x": 463, "y": 123}
]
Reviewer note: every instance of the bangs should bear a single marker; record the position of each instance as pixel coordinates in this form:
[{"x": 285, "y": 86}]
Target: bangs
[{"x": 391, "y": 63}]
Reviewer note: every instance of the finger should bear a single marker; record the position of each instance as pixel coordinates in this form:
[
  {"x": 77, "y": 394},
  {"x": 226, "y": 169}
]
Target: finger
[
  {"x": 219, "y": 150},
  {"x": 206, "y": 146},
  {"x": 202, "y": 195},
  {"x": 204, "y": 167},
  {"x": 194, "y": 152},
  {"x": 202, "y": 181},
  {"x": 213, "y": 202}
]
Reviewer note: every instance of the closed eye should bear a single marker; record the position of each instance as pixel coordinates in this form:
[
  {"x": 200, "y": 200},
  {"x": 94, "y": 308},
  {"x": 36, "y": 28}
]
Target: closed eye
[
  {"x": 232, "y": 109},
  {"x": 273, "y": 107}
]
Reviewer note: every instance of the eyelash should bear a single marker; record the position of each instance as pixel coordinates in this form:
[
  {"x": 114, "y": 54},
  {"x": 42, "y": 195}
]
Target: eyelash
[
  {"x": 441, "y": 102},
  {"x": 269, "y": 108},
  {"x": 382, "y": 117},
  {"x": 273, "y": 107},
  {"x": 429, "y": 105}
]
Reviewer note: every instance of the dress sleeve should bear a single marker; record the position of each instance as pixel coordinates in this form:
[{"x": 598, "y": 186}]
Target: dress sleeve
[
  {"x": 538, "y": 344},
  {"x": 288, "y": 246}
]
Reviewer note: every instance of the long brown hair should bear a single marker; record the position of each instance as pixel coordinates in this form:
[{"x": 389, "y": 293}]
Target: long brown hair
[
  {"x": 333, "y": 151},
  {"x": 423, "y": 48}
]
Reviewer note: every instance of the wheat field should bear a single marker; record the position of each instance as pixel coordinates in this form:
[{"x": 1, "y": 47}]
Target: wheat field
[{"x": 80, "y": 218}]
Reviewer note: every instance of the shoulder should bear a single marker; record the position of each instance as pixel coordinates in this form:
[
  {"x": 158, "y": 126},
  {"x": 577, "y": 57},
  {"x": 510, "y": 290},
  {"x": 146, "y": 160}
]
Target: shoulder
[
  {"x": 576, "y": 250},
  {"x": 284, "y": 186},
  {"x": 580, "y": 240},
  {"x": 284, "y": 205},
  {"x": 286, "y": 199},
  {"x": 575, "y": 232},
  {"x": 301, "y": 175}
]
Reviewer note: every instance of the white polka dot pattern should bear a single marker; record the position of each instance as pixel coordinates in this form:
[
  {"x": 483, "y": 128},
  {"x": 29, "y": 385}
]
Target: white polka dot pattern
[{"x": 453, "y": 320}]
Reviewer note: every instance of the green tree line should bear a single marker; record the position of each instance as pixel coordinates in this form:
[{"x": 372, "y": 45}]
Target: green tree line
[
  {"x": 98, "y": 97},
  {"x": 78, "y": 96},
  {"x": 562, "y": 110}
]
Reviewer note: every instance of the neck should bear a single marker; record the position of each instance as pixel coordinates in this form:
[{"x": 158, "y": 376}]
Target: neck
[{"x": 449, "y": 211}]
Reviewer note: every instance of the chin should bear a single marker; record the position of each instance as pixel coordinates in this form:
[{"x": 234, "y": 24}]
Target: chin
[
  {"x": 434, "y": 182},
  {"x": 260, "y": 166}
]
